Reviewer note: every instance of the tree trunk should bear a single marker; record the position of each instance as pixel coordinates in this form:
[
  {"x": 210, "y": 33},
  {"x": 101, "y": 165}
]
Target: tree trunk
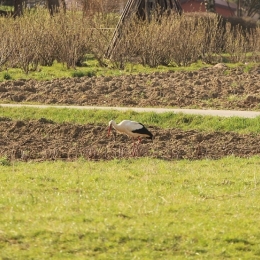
[
  {"x": 53, "y": 6},
  {"x": 18, "y": 7}
]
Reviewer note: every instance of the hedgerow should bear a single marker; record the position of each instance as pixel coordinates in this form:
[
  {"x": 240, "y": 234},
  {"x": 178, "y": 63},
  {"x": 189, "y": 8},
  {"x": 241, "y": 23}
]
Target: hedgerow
[{"x": 36, "y": 39}]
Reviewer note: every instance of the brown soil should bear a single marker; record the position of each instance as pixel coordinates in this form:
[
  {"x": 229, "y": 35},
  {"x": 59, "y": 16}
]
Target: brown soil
[
  {"x": 45, "y": 140},
  {"x": 218, "y": 88},
  {"x": 206, "y": 88}
]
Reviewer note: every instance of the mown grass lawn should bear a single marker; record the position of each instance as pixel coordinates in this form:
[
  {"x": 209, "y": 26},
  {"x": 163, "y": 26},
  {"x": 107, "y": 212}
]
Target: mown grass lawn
[{"x": 131, "y": 209}]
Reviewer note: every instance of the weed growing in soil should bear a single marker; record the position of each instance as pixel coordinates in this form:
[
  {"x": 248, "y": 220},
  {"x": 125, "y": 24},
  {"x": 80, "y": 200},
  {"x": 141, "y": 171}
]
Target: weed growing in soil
[
  {"x": 4, "y": 161},
  {"x": 125, "y": 209},
  {"x": 79, "y": 74},
  {"x": 7, "y": 76}
]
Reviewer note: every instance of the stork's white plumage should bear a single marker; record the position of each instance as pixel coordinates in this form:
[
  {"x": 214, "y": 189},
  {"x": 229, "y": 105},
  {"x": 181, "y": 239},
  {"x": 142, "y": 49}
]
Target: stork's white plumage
[{"x": 132, "y": 129}]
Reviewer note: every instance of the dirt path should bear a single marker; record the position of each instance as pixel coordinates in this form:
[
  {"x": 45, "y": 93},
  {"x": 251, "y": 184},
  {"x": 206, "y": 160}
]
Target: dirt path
[{"x": 205, "y": 112}]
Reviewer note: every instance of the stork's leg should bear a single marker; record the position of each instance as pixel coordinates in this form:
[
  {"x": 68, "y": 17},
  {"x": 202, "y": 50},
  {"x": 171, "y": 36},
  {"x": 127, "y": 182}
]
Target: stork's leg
[
  {"x": 137, "y": 144},
  {"x": 135, "y": 148}
]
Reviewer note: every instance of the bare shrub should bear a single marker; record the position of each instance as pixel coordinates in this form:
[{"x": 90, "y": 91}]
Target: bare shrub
[
  {"x": 33, "y": 37},
  {"x": 72, "y": 34},
  {"x": 7, "y": 40},
  {"x": 92, "y": 7},
  {"x": 237, "y": 44},
  {"x": 147, "y": 42},
  {"x": 156, "y": 41},
  {"x": 127, "y": 45},
  {"x": 183, "y": 40},
  {"x": 24, "y": 54},
  {"x": 37, "y": 39},
  {"x": 186, "y": 42},
  {"x": 47, "y": 45},
  {"x": 102, "y": 27},
  {"x": 174, "y": 39},
  {"x": 255, "y": 42},
  {"x": 151, "y": 42},
  {"x": 242, "y": 38},
  {"x": 210, "y": 35}
]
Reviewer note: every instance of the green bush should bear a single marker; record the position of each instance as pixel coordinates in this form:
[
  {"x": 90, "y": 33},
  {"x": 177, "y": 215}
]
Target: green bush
[{"x": 7, "y": 76}]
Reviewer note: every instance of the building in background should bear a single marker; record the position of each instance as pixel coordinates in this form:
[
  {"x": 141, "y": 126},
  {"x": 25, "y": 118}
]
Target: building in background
[{"x": 222, "y": 7}]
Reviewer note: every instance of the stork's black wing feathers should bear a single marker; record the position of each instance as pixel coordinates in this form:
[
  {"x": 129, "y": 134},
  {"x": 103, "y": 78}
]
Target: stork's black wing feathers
[{"x": 143, "y": 131}]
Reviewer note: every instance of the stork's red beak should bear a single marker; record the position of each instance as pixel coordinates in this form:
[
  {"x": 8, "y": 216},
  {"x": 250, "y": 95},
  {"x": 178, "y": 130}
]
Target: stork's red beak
[{"x": 109, "y": 130}]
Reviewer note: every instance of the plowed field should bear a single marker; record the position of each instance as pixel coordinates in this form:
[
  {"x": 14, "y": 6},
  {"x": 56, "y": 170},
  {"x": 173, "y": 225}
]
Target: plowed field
[
  {"x": 218, "y": 88},
  {"x": 207, "y": 88},
  {"x": 45, "y": 140}
]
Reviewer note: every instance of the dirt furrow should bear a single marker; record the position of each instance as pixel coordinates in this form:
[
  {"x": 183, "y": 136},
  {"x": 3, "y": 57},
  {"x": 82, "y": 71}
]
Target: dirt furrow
[
  {"x": 41, "y": 140},
  {"x": 216, "y": 88}
]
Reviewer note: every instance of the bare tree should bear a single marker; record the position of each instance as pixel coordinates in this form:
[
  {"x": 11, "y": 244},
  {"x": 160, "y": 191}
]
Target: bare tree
[{"x": 248, "y": 7}]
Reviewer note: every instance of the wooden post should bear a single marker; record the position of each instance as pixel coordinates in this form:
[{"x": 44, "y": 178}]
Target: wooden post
[
  {"x": 146, "y": 10},
  {"x": 238, "y": 8}
]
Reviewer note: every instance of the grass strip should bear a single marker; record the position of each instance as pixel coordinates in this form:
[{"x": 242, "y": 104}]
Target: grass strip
[
  {"x": 59, "y": 70},
  {"x": 164, "y": 120}
]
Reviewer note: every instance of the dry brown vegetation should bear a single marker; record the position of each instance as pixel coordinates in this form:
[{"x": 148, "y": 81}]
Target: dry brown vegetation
[
  {"x": 91, "y": 7},
  {"x": 185, "y": 39},
  {"x": 38, "y": 39}
]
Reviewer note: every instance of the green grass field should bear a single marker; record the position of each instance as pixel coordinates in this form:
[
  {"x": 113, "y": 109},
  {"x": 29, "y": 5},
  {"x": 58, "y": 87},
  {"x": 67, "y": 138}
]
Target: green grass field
[{"x": 131, "y": 209}]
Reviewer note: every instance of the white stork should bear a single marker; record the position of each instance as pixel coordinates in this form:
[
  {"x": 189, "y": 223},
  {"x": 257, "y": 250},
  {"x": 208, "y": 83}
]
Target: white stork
[{"x": 132, "y": 129}]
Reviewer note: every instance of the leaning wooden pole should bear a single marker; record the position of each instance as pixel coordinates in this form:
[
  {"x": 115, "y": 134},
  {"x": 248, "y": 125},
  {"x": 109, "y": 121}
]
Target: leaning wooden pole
[
  {"x": 144, "y": 9},
  {"x": 130, "y": 8}
]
